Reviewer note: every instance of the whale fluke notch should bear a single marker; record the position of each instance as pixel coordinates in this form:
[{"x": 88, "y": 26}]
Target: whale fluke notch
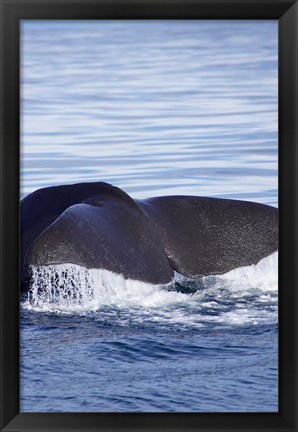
[{"x": 97, "y": 225}]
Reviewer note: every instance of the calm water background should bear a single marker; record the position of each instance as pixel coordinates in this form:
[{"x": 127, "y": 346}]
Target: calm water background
[{"x": 156, "y": 108}]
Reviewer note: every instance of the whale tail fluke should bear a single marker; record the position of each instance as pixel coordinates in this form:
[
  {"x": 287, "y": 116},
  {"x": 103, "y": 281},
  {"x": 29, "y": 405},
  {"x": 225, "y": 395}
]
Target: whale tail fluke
[
  {"x": 204, "y": 236},
  {"x": 98, "y": 226}
]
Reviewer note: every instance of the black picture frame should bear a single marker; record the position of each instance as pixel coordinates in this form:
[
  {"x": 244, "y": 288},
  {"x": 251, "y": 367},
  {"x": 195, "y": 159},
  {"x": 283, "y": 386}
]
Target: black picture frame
[{"x": 286, "y": 12}]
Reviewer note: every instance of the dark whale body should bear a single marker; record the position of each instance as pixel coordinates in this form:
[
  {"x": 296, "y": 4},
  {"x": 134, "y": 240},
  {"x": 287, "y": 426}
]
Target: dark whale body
[{"x": 97, "y": 225}]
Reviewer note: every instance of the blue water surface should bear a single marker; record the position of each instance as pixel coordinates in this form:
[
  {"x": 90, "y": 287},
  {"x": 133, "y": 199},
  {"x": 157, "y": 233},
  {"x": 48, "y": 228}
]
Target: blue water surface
[{"x": 155, "y": 108}]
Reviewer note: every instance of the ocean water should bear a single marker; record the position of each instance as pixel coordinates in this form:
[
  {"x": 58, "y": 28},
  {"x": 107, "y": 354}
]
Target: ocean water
[{"x": 155, "y": 108}]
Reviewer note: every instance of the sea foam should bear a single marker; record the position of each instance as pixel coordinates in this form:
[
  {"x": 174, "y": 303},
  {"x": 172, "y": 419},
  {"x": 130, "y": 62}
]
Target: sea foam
[{"x": 246, "y": 294}]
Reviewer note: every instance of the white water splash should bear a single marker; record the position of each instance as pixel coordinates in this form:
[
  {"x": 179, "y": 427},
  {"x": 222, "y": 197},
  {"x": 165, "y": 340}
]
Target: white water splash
[
  {"x": 262, "y": 276},
  {"x": 246, "y": 295},
  {"x": 69, "y": 287}
]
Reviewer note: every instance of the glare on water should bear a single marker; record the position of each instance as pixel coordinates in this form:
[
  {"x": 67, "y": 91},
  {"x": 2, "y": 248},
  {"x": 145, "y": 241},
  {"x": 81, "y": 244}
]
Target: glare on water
[{"x": 156, "y": 108}]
